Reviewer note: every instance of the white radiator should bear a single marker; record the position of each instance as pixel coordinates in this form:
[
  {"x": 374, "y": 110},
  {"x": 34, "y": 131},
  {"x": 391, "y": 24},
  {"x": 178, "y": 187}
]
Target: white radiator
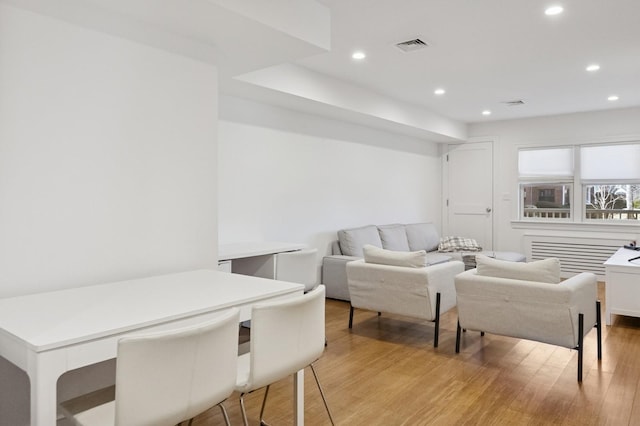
[{"x": 576, "y": 254}]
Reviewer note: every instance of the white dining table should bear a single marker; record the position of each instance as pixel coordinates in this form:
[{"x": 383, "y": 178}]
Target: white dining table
[{"x": 48, "y": 334}]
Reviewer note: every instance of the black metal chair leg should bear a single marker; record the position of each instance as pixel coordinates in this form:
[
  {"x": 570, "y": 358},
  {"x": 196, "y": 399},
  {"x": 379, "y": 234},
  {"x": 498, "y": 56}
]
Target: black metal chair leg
[
  {"x": 458, "y": 333},
  {"x": 437, "y": 325},
  {"x": 580, "y": 344},
  {"x": 599, "y": 328},
  {"x": 350, "y": 316}
]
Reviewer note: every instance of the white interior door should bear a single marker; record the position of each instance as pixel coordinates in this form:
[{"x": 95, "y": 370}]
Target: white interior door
[{"x": 468, "y": 192}]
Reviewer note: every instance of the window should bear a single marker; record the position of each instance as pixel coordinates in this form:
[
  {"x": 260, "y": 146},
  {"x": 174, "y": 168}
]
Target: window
[
  {"x": 546, "y": 183},
  {"x": 611, "y": 181},
  {"x": 608, "y": 176}
]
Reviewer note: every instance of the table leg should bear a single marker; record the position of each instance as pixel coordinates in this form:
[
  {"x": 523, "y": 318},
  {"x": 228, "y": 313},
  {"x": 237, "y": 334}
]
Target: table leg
[
  {"x": 44, "y": 371},
  {"x": 298, "y": 398}
]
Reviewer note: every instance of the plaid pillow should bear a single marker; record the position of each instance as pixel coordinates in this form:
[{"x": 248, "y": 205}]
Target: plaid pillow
[{"x": 449, "y": 244}]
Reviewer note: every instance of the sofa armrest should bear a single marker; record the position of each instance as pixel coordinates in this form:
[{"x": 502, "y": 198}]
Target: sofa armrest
[{"x": 334, "y": 276}]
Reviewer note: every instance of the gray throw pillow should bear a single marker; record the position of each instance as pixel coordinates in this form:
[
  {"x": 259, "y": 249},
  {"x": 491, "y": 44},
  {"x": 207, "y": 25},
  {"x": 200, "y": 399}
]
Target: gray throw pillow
[{"x": 352, "y": 240}]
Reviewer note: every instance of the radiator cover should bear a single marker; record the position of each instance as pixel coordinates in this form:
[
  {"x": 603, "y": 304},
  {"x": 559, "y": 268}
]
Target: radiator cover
[{"x": 576, "y": 254}]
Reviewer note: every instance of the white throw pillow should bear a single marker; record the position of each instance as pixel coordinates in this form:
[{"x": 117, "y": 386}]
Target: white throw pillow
[
  {"x": 410, "y": 259},
  {"x": 545, "y": 271}
]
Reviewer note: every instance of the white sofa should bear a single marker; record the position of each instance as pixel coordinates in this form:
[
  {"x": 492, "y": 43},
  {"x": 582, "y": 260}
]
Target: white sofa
[
  {"x": 528, "y": 301},
  {"x": 399, "y": 283},
  {"x": 398, "y": 237}
]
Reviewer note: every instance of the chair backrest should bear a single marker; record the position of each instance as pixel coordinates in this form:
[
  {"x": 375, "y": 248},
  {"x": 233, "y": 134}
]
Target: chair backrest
[
  {"x": 299, "y": 267},
  {"x": 167, "y": 377},
  {"x": 286, "y": 337}
]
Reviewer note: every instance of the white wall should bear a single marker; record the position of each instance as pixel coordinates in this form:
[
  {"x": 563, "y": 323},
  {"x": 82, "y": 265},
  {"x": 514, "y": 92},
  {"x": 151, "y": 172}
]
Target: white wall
[
  {"x": 107, "y": 164},
  {"x": 288, "y": 176},
  {"x": 107, "y": 157},
  {"x": 508, "y": 136}
]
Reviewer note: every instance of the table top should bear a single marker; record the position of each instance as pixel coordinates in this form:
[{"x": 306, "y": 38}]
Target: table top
[
  {"x": 249, "y": 249},
  {"x": 621, "y": 258},
  {"x": 49, "y": 320}
]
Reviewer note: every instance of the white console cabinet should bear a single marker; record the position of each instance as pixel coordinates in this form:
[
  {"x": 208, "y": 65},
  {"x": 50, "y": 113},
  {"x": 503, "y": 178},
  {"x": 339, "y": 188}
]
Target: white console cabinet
[{"x": 622, "y": 284}]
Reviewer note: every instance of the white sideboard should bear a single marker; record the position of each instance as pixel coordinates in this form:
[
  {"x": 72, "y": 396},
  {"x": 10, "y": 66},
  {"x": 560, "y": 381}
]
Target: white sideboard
[
  {"x": 622, "y": 284},
  {"x": 253, "y": 258}
]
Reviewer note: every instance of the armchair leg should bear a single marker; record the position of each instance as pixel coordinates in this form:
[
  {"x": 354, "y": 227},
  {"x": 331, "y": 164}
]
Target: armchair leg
[
  {"x": 350, "y": 316},
  {"x": 437, "y": 327},
  {"x": 458, "y": 332},
  {"x": 599, "y": 328},
  {"x": 580, "y": 344}
]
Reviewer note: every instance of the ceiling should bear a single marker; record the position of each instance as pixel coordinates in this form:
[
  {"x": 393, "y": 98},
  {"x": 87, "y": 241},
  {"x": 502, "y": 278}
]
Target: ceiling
[
  {"x": 297, "y": 54},
  {"x": 485, "y": 53}
]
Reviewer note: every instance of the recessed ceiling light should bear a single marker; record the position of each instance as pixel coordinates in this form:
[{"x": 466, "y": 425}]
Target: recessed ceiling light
[
  {"x": 439, "y": 91},
  {"x": 358, "y": 55},
  {"x": 593, "y": 67},
  {"x": 613, "y": 98},
  {"x": 486, "y": 112},
  {"x": 553, "y": 10}
]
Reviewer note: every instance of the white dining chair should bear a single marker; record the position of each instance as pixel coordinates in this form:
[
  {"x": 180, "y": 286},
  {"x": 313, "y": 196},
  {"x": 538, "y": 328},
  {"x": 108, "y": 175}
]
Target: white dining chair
[
  {"x": 167, "y": 377},
  {"x": 286, "y": 337},
  {"x": 299, "y": 266}
]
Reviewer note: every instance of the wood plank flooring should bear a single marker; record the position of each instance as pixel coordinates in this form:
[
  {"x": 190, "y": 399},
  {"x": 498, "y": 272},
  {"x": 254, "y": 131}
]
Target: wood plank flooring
[{"x": 385, "y": 371}]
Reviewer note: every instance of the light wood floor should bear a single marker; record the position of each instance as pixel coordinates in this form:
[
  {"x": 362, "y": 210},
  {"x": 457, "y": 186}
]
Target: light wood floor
[{"x": 385, "y": 371}]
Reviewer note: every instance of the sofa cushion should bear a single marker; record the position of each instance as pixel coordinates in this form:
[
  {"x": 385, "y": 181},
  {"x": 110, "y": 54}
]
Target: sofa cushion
[
  {"x": 422, "y": 236},
  {"x": 410, "y": 259},
  {"x": 449, "y": 244},
  {"x": 545, "y": 271},
  {"x": 435, "y": 258},
  {"x": 352, "y": 240},
  {"x": 393, "y": 237}
]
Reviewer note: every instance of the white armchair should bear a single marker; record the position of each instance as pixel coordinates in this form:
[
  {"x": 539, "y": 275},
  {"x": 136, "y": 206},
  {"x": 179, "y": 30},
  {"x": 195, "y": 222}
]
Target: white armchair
[
  {"x": 421, "y": 292},
  {"x": 528, "y": 301}
]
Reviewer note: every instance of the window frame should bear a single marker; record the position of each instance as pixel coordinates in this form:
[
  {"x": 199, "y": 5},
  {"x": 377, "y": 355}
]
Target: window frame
[
  {"x": 548, "y": 179},
  {"x": 577, "y": 187}
]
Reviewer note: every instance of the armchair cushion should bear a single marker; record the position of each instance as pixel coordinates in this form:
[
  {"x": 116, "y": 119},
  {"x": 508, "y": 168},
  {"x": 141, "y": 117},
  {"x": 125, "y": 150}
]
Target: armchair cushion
[
  {"x": 411, "y": 259},
  {"x": 393, "y": 237},
  {"x": 545, "y": 271},
  {"x": 352, "y": 240}
]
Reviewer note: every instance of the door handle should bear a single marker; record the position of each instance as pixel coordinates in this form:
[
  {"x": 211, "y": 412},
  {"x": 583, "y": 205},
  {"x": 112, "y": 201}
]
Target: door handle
[{"x": 488, "y": 209}]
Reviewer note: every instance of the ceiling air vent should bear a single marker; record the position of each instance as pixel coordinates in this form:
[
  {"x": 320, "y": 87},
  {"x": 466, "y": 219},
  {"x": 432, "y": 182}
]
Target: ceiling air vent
[
  {"x": 411, "y": 45},
  {"x": 517, "y": 102}
]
